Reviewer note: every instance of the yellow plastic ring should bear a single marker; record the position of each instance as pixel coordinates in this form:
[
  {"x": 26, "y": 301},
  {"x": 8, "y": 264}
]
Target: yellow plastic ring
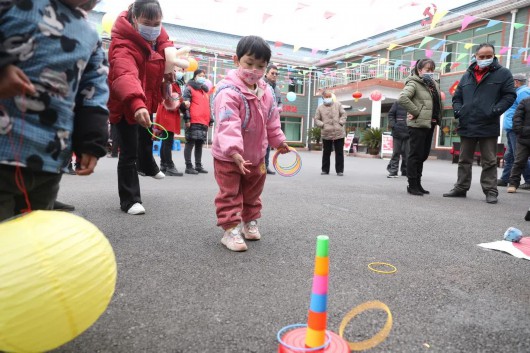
[
  {"x": 393, "y": 268},
  {"x": 378, "y": 337}
]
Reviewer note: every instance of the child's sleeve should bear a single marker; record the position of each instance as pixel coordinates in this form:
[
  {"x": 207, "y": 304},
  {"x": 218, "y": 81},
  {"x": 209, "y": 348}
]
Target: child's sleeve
[
  {"x": 275, "y": 134},
  {"x": 91, "y": 114},
  {"x": 228, "y": 116}
]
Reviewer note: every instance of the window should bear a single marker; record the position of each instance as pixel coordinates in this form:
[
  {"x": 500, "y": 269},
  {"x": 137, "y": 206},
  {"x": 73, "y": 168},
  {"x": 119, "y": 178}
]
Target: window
[
  {"x": 459, "y": 57},
  {"x": 358, "y": 124},
  {"x": 447, "y": 132},
  {"x": 291, "y": 81},
  {"x": 292, "y": 128}
]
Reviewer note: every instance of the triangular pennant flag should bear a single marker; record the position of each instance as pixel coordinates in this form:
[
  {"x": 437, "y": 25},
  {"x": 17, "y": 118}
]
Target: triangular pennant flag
[
  {"x": 522, "y": 50},
  {"x": 479, "y": 29},
  {"x": 409, "y": 49},
  {"x": 328, "y": 15},
  {"x": 504, "y": 50},
  {"x": 518, "y": 25},
  {"x": 347, "y": 55},
  {"x": 391, "y": 46},
  {"x": 461, "y": 56},
  {"x": 516, "y": 56},
  {"x": 366, "y": 58},
  {"x": 278, "y": 44},
  {"x": 314, "y": 51},
  {"x": 466, "y": 21},
  {"x": 492, "y": 23},
  {"x": 383, "y": 61},
  {"x": 455, "y": 65},
  {"x": 398, "y": 62},
  {"x": 437, "y": 17},
  {"x": 296, "y": 48},
  {"x": 300, "y": 6},
  {"x": 338, "y": 62},
  {"x": 425, "y": 41},
  {"x": 241, "y": 9},
  {"x": 468, "y": 45},
  {"x": 428, "y": 53},
  {"x": 266, "y": 16},
  {"x": 438, "y": 45},
  {"x": 413, "y": 63}
]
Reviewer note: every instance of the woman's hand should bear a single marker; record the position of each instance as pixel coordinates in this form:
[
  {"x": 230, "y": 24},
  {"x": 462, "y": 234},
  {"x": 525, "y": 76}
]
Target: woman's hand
[
  {"x": 142, "y": 117},
  {"x": 410, "y": 116},
  {"x": 283, "y": 148},
  {"x": 14, "y": 82},
  {"x": 241, "y": 163}
]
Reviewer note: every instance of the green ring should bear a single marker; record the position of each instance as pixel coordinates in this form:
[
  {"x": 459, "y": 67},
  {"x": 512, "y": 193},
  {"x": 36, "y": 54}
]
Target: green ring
[{"x": 163, "y": 128}]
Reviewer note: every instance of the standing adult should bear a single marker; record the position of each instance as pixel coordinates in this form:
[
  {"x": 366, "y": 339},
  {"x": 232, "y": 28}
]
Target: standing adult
[
  {"x": 397, "y": 119},
  {"x": 331, "y": 117},
  {"x": 137, "y": 65},
  {"x": 421, "y": 99},
  {"x": 485, "y": 91},
  {"x": 271, "y": 76},
  {"x": 197, "y": 119},
  {"x": 522, "y": 91}
]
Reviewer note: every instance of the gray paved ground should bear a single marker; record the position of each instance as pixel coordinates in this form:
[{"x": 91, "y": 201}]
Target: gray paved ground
[{"x": 180, "y": 290}]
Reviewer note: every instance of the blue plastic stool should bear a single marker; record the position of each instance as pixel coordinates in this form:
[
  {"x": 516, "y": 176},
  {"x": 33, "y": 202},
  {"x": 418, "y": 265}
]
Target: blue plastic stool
[
  {"x": 157, "y": 146},
  {"x": 176, "y": 145}
]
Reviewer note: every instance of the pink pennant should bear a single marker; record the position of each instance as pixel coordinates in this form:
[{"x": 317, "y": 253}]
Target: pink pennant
[
  {"x": 314, "y": 51},
  {"x": 266, "y": 16},
  {"x": 428, "y": 53},
  {"x": 504, "y": 50},
  {"x": 278, "y": 44},
  {"x": 328, "y": 15},
  {"x": 466, "y": 21},
  {"x": 301, "y": 6},
  {"x": 455, "y": 65}
]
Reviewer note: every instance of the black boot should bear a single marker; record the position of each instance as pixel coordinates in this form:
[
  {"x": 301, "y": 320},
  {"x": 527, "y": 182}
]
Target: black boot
[
  {"x": 413, "y": 187},
  {"x": 423, "y": 191},
  {"x": 163, "y": 168}
]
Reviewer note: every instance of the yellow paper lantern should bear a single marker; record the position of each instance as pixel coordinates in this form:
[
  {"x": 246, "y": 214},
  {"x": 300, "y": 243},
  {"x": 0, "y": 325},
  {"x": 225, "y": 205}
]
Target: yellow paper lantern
[
  {"x": 57, "y": 276},
  {"x": 107, "y": 21},
  {"x": 194, "y": 65}
]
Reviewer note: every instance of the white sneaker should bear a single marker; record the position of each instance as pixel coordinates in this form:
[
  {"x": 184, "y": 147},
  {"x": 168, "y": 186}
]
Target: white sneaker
[
  {"x": 250, "y": 231},
  {"x": 136, "y": 209},
  {"x": 159, "y": 175},
  {"x": 233, "y": 241}
]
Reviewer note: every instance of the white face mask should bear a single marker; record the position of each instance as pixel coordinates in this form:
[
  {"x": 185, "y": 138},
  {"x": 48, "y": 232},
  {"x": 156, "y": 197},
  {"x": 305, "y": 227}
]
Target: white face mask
[
  {"x": 484, "y": 63},
  {"x": 149, "y": 33},
  {"x": 328, "y": 101}
]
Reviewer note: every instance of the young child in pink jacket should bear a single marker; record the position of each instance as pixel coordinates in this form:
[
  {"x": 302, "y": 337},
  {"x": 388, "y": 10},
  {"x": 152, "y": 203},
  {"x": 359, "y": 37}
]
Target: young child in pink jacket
[{"x": 247, "y": 121}]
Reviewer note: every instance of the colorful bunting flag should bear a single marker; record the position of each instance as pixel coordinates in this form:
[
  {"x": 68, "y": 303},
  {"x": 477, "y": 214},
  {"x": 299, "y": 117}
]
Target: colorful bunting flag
[
  {"x": 367, "y": 57},
  {"x": 296, "y": 48},
  {"x": 518, "y": 25},
  {"x": 428, "y": 53},
  {"x": 409, "y": 49},
  {"x": 466, "y": 21},
  {"x": 391, "y": 46},
  {"x": 492, "y": 23},
  {"x": 439, "y": 44},
  {"x": 468, "y": 45},
  {"x": 425, "y": 41},
  {"x": 278, "y": 44},
  {"x": 504, "y": 50},
  {"x": 328, "y": 15},
  {"x": 461, "y": 56},
  {"x": 437, "y": 17},
  {"x": 444, "y": 55},
  {"x": 266, "y": 16}
]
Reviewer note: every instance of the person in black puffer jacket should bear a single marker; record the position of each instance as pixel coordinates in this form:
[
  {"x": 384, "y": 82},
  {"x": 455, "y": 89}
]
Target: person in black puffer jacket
[
  {"x": 486, "y": 90},
  {"x": 521, "y": 127},
  {"x": 397, "y": 119}
]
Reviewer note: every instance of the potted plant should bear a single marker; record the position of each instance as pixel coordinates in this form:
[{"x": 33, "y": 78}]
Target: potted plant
[
  {"x": 372, "y": 139},
  {"x": 314, "y": 135}
]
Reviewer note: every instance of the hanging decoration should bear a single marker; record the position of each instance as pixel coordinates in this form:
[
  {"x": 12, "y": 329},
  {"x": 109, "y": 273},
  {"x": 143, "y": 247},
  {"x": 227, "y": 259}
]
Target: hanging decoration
[
  {"x": 452, "y": 89},
  {"x": 357, "y": 95},
  {"x": 376, "y": 96}
]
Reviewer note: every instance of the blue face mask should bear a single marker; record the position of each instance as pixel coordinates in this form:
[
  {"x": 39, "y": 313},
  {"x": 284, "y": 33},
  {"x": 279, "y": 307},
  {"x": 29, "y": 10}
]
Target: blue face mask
[
  {"x": 328, "y": 101},
  {"x": 149, "y": 33},
  {"x": 179, "y": 75},
  {"x": 484, "y": 63},
  {"x": 200, "y": 80}
]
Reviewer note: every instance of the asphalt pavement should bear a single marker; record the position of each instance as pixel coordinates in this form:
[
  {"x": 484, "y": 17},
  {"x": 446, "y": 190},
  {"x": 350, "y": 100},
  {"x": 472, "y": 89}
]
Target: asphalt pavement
[{"x": 180, "y": 290}]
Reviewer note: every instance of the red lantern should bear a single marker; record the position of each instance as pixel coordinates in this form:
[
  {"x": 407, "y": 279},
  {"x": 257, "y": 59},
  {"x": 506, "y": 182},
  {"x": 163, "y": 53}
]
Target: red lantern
[
  {"x": 357, "y": 95},
  {"x": 376, "y": 96}
]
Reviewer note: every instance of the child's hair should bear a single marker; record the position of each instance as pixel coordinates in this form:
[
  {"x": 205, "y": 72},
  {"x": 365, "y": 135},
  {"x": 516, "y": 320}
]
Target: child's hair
[
  {"x": 254, "y": 45},
  {"x": 421, "y": 64},
  {"x": 482, "y": 45},
  {"x": 198, "y": 72},
  {"x": 148, "y": 9},
  {"x": 89, "y": 5}
]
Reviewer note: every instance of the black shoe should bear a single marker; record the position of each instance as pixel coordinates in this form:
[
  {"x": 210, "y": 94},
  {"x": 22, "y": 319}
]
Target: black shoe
[
  {"x": 455, "y": 193},
  {"x": 191, "y": 171},
  {"x": 172, "y": 171},
  {"x": 201, "y": 170},
  {"x": 501, "y": 182},
  {"x": 414, "y": 191},
  {"x": 423, "y": 191},
  {"x": 491, "y": 198},
  {"x": 324, "y": 173},
  {"x": 270, "y": 172},
  {"x": 527, "y": 217},
  {"x": 59, "y": 206},
  {"x": 340, "y": 174},
  {"x": 163, "y": 168}
]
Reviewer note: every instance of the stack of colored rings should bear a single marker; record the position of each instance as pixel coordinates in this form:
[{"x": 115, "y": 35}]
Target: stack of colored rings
[{"x": 287, "y": 171}]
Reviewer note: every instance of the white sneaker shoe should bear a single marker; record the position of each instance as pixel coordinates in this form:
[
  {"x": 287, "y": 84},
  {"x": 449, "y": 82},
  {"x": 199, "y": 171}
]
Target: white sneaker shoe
[
  {"x": 159, "y": 176},
  {"x": 136, "y": 209},
  {"x": 233, "y": 241},
  {"x": 250, "y": 231}
]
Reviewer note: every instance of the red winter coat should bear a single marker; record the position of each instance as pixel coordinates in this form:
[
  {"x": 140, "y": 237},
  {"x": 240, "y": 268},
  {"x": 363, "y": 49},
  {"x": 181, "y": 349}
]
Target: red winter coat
[
  {"x": 136, "y": 71},
  {"x": 170, "y": 119}
]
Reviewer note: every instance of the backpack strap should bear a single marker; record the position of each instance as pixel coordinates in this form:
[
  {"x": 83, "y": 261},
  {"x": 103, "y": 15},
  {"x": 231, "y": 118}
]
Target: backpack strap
[{"x": 243, "y": 98}]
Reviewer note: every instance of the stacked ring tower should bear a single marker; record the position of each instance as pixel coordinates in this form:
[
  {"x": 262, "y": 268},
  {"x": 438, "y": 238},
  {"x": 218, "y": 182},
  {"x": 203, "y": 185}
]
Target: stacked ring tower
[{"x": 314, "y": 337}]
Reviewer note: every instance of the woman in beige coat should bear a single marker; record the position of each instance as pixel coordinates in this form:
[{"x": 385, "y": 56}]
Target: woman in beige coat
[
  {"x": 331, "y": 117},
  {"x": 421, "y": 98}
]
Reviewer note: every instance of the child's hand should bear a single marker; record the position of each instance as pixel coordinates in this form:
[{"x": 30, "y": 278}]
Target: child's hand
[
  {"x": 142, "y": 117},
  {"x": 86, "y": 165},
  {"x": 283, "y": 148},
  {"x": 14, "y": 82},
  {"x": 187, "y": 104},
  {"x": 241, "y": 163}
]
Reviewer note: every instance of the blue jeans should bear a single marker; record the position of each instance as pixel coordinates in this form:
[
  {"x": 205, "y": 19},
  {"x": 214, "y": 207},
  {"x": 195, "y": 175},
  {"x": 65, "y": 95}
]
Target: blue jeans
[{"x": 509, "y": 157}]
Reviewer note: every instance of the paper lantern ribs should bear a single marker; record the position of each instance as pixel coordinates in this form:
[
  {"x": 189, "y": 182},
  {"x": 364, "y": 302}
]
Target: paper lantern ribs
[{"x": 314, "y": 337}]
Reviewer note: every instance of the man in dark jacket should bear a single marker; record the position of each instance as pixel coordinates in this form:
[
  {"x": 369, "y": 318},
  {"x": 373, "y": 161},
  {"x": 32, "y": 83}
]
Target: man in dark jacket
[
  {"x": 521, "y": 127},
  {"x": 397, "y": 119},
  {"x": 486, "y": 90},
  {"x": 271, "y": 76}
]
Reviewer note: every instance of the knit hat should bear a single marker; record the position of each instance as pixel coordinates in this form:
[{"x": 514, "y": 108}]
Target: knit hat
[{"x": 520, "y": 77}]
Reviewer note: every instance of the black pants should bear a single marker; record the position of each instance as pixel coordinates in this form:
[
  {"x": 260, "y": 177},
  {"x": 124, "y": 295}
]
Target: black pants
[
  {"x": 328, "y": 145},
  {"x": 198, "y": 153},
  {"x": 519, "y": 165},
  {"x": 136, "y": 155},
  {"x": 488, "y": 160},
  {"x": 165, "y": 151},
  {"x": 42, "y": 189},
  {"x": 420, "y": 140},
  {"x": 115, "y": 137},
  {"x": 400, "y": 148}
]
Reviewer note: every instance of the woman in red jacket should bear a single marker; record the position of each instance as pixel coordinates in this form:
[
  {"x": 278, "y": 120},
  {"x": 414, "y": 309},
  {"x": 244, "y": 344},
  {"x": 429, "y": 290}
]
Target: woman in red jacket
[
  {"x": 137, "y": 65},
  {"x": 168, "y": 115},
  {"x": 197, "y": 120}
]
